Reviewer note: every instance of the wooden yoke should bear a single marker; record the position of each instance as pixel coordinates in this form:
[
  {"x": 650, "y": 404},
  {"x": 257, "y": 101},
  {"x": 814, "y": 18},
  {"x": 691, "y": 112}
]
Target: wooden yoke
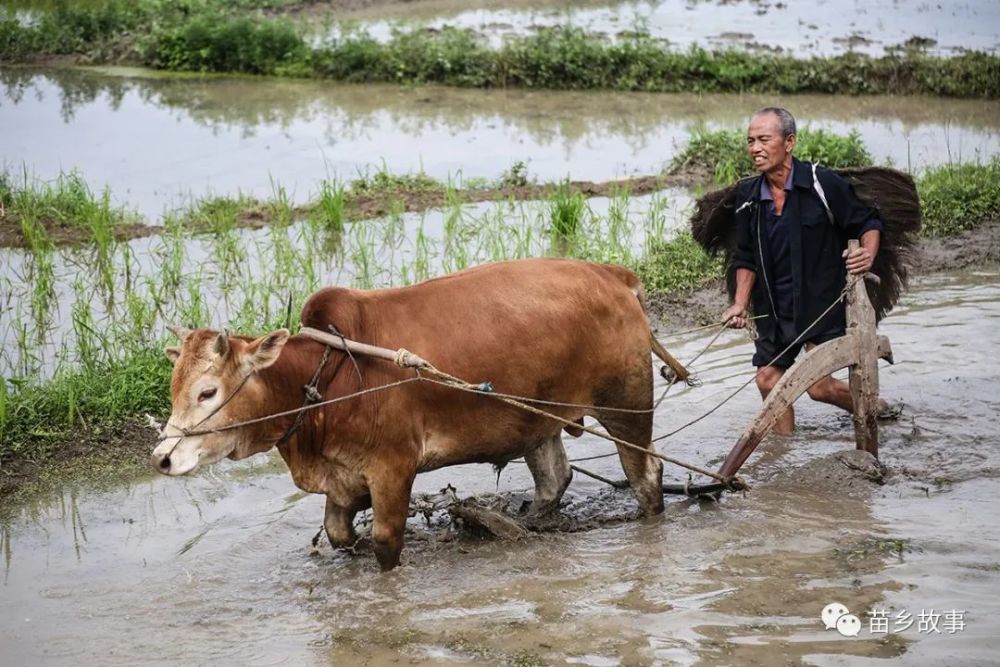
[{"x": 859, "y": 348}]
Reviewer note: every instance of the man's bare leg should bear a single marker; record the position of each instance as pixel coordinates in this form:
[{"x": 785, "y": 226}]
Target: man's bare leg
[
  {"x": 767, "y": 377},
  {"x": 837, "y": 392}
]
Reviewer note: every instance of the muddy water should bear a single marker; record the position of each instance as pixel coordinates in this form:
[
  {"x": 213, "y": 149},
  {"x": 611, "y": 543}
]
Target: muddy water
[
  {"x": 218, "y": 568},
  {"x": 154, "y": 141},
  {"x": 798, "y": 28}
]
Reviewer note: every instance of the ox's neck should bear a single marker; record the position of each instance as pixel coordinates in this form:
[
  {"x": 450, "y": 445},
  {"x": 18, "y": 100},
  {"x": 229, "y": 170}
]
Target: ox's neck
[{"x": 285, "y": 383}]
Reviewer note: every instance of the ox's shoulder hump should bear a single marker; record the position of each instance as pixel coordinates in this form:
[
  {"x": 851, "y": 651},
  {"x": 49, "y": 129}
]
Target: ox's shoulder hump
[{"x": 329, "y": 305}]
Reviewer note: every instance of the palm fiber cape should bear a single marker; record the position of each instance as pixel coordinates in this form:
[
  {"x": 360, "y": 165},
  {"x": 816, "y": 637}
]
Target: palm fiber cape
[{"x": 893, "y": 196}]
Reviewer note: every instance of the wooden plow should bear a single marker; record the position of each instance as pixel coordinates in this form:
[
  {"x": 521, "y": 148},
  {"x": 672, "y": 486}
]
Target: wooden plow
[{"x": 859, "y": 349}]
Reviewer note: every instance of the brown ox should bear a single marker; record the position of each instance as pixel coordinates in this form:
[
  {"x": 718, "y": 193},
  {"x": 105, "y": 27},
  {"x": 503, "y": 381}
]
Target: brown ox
[{"x": 553, "y": 329}]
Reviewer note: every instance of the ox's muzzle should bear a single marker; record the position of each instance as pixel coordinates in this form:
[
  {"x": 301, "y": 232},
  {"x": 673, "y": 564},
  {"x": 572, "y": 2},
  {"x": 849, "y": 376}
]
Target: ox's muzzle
[{"x": 176, "y": 454}]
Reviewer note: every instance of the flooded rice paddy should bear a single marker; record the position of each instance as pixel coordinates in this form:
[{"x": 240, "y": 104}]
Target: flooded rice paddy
[
  {"x": 218, "y": 568},
  {"x": 799, "y": 29},
  {"x": 156, "y": 141}
]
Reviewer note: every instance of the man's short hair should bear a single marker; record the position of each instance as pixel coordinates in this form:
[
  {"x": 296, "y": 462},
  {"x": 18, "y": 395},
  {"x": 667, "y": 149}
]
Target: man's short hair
[{"x": 785, "y": 119}]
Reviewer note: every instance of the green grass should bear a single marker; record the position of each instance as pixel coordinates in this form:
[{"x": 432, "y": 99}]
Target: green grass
[
  {"x": 957, "y": 197},
  {"x": 328, "y": 212},
  {"x": 34, "y": 416},
  {"x": 723, "y": 153},
  {"x": 566, "y": 210},
  {"x": 219, "y": 36},
  {"x": 66, "y": 201},
  {"x": 676, "y": 264},
  {"x": 382, "y": 181}
]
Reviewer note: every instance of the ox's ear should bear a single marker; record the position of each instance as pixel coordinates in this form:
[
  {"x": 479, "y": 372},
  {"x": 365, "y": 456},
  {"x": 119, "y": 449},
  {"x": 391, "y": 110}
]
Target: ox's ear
[
  {"x": 221, "y": 346},
  {"x": 265, "y": 350},
  {"x": 173, "y": 353}
]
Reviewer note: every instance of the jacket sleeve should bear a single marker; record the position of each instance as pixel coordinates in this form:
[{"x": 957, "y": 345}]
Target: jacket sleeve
[
  {"x": 743, "y": 255},
  {"x": 849, "y": 213}
]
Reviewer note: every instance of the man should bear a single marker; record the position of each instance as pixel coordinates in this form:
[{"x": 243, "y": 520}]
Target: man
[{"x": 788, "y": 257}]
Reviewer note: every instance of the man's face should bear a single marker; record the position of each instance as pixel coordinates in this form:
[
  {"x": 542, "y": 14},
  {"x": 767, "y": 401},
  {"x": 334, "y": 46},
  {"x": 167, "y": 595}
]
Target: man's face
[{"x": 767, "y": 148}]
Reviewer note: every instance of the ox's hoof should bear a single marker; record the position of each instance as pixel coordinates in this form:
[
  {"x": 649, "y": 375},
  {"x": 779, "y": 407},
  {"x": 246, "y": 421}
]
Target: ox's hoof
[{"x": 889, "y": 411}]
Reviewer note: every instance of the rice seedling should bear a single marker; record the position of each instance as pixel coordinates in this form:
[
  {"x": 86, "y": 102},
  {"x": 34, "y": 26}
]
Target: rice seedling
[
  {"x": 423, "y": 256},
  {"x": 363, "y": 255},
  {"x": 566, "y": 212},
  {"x": 4, "y": 409},
  {"x": 192, "y": 311},
  {"x": 280, "y": 205},
  {"x": 329, "y": 209},
  {"x": 41, "y": 269},
  {"x": 87, "y": 338}
]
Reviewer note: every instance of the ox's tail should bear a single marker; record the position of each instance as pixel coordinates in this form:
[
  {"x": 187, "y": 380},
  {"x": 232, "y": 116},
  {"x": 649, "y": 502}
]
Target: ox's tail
[{"x": 633, "y": 283}]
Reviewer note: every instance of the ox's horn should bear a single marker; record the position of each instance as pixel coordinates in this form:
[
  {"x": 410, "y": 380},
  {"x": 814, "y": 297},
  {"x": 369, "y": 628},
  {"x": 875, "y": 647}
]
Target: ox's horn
[
  {"x": 178, "y": 331},
  {"x": 222, "y": 344}
]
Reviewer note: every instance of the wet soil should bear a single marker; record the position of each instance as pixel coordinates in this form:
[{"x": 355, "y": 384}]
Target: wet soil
[{"x": 97, "y": 457}]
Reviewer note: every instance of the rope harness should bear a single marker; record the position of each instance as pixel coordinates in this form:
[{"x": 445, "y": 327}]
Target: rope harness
[{"x": 406, "y": 359}]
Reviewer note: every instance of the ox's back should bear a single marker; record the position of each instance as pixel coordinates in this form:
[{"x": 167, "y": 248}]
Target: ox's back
[
  {"x": 491, "y": 316},
  {"x": 552, "y": 329}
]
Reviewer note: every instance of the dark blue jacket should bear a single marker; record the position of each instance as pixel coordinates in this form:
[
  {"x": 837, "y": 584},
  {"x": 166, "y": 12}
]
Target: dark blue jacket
[{"x": 818, "y": 271}]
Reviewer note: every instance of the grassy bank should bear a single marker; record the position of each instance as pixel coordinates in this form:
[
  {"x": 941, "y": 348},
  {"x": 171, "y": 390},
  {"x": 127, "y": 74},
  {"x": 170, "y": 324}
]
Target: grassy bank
[
  {"x": 216, "y": 36},
  {"x": 111, "y": 369}
]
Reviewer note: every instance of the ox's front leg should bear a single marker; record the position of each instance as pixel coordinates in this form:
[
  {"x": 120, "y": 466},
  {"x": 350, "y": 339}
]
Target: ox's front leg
[
  {"x": 339, "y": 524},
  {"x": 390, "y": 489}
]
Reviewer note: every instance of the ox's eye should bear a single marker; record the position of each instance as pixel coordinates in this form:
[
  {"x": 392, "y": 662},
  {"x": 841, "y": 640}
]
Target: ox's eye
[{"x": 206, "y": 394}]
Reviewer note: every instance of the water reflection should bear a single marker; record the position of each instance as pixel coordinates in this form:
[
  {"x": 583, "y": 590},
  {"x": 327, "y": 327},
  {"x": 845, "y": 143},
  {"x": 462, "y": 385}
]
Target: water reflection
[{"x": 154, "y": 138}]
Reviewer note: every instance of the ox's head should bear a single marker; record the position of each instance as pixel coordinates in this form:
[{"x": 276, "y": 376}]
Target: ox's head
[{"x": 214, "y": 383}]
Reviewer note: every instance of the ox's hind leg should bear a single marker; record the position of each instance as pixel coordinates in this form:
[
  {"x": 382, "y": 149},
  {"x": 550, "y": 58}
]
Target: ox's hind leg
[
  {"x": 644, "y": 473},
  {"x": 550, "y": 469}
]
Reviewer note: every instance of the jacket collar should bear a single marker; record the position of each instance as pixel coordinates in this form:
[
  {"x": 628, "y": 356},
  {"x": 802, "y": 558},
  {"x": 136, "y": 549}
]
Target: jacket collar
[
  {"x": 801, "y": 178},
  {"x": 802, "y": 174}
]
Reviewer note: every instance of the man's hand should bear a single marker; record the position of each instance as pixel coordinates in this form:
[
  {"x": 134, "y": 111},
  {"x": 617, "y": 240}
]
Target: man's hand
[
  {"x": 859, "y": 261},
  {"x": 735, "y": 316}
]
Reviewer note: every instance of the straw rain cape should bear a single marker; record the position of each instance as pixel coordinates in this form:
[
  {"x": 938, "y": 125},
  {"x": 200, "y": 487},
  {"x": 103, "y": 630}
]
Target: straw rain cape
[{"x": 893, "y": 196}]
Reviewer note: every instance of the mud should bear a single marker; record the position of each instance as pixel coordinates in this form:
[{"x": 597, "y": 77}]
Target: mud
[
  {"x": 967, "y": 249},
  {"x": 95, "y": 458}
]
